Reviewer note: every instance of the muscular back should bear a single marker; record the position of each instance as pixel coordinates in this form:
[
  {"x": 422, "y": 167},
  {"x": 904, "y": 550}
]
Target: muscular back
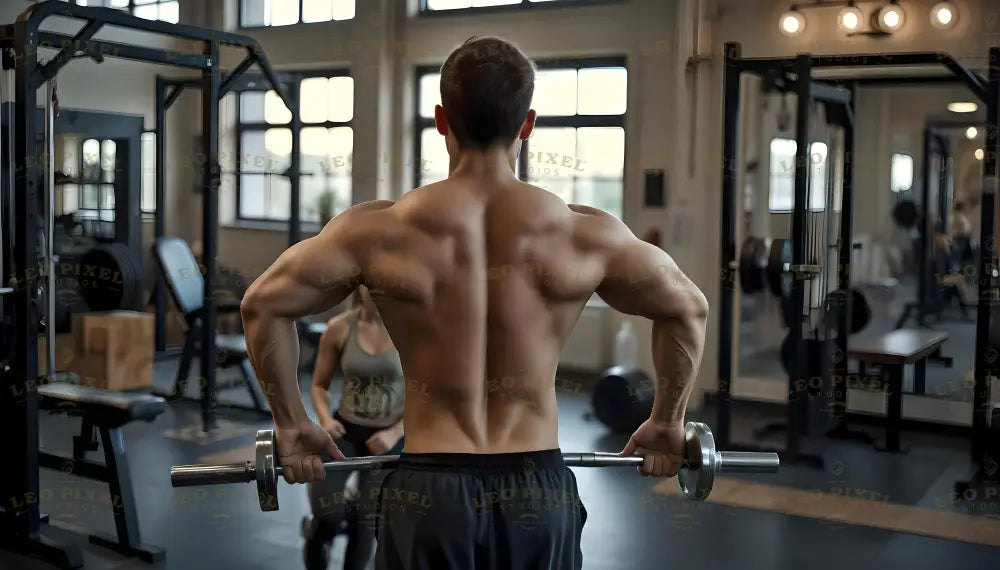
[
  {"x": 479, "y": 288},
  {"x": 479, "y": 285}
]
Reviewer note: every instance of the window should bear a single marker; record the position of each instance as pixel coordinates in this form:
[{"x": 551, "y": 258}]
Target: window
[
  {"x": 782, "y": 173},
  {"x": 148, "y": 156},
  {"x": 166, "y": 10},
  {"x": 263, "y": 13},
  {"x": 901, "y": 173},
  {"x": 444, "y": 5},
  {"x": 264, "y": 149},
  {"x": 89, "y": 197},
  {"x": 577, "y": 150}
]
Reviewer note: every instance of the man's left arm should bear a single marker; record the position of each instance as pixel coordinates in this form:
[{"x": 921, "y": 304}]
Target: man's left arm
[{"x": 308, "y": 278}]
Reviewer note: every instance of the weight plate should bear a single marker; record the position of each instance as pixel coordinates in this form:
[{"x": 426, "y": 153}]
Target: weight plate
[
  {"x": 698, "y": 474},
  {"x": 861, "y": 310},
  {"x": 779, "y": 280},
  {"x": 753, "y": 265},
  {"x": 267, "y": 476}
]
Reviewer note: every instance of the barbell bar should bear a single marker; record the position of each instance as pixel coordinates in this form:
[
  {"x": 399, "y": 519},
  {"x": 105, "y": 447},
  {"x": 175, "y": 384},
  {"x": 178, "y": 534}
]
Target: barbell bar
[{"x": 696, "y": 477}]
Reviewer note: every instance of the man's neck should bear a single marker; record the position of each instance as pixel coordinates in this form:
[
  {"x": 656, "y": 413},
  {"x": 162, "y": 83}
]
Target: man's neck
[{"x": 489, "y": 163}]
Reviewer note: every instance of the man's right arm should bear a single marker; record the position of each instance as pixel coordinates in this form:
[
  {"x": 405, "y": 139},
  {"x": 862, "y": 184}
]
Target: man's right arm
[{"x": 641, "y": 279}]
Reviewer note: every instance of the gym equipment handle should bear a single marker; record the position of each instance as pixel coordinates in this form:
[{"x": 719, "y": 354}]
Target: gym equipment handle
[{"x": 197, "y": 475}]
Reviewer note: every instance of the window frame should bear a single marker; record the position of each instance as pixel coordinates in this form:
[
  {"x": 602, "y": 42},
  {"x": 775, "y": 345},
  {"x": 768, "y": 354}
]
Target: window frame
[
  {"x": 264, "y": 126},
  {"x": 147, "y": 214},
  {"x": 299, "y": 22},
  {"x": 573, "y": 121},
  {"x": 826, "y": 166},
  {"x": 425, "y": 12},
  {"x": 913, "y": 164}
]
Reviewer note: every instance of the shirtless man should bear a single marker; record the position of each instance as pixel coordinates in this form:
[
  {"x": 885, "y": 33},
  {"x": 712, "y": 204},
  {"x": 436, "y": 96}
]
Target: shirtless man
[{"x": 479, "y": 280}]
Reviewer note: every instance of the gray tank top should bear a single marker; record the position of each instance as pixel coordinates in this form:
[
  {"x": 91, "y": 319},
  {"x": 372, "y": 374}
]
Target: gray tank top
[{"x": 374, "y": 387}]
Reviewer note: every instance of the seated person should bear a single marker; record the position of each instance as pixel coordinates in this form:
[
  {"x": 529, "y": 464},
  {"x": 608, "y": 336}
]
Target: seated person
[
  {"x": 943, "y": 270},
  {"x": 368, "y": 421}
]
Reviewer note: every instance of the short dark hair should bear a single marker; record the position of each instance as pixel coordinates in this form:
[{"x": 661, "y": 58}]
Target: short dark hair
[{"x": 486, "y": 90}]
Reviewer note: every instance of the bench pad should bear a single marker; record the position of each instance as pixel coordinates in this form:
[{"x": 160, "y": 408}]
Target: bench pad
[{"x": 102, "y": 407}]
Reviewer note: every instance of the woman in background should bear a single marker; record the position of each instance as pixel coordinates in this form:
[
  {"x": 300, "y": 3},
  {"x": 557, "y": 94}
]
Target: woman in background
[{"x": 367, "y": 421}]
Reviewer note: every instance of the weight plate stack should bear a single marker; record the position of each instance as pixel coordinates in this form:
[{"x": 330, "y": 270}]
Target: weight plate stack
[{"x": 110, "y": 279}]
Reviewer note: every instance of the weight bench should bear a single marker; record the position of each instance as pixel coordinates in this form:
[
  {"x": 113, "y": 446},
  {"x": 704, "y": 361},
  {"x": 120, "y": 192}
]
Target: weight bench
[
  {"x": 104, "y": 412},
  {"x": 892, "y": 352},
  {"x": 187, "y": 288}
]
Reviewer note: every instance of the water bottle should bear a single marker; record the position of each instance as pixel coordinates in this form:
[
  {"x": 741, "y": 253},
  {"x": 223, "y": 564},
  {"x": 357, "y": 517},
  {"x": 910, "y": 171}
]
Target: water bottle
[{"x": 625, "y": 346}]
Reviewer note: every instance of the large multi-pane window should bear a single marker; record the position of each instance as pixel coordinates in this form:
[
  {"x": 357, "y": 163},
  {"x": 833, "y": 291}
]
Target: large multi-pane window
[
  {"x": 264, "y": 150},
  {"x": 442, "y": 5},
  {"x": 166, "y": 10},
  {"x": 86, "y": 181},
  {"x": 782, "y": 176},
  {"x": 577, "y": 150},
  {"x": 261, "y": 13}
]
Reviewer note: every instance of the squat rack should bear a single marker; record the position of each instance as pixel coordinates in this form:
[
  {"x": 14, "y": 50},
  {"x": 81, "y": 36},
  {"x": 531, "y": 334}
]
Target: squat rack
[
  {"x": 167, "y": 92},
  {"x": 20, "y": 522},
  {"x": 986, "y": 89}
]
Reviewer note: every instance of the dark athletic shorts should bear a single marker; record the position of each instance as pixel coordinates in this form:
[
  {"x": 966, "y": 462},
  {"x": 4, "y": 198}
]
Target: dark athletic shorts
[{"x": 457, "y": 511}]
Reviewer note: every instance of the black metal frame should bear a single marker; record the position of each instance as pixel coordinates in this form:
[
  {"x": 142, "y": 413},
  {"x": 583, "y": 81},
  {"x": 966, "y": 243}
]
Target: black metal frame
[
  {"x": 801, "y": 66},
  {"x": 934, "y": 138},
  {"x": 576, "y": 121},
  {"x": 167, "y": 91},
  {"x": 522, "y": 5},
  {"x": 20, "y": 524}
]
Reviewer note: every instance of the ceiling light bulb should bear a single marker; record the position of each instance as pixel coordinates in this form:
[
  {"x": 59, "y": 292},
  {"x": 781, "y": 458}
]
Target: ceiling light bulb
[
  {"x": 792, "y": 23},
  {"x": 890, "y": 18},
  {"x": 849, "y": 19},
  {"x": 944, "y": 15},
  {"x": 962, "y": 107},
  {"x": 980, "y": 154},
  {"x": 971, "y": 133}
]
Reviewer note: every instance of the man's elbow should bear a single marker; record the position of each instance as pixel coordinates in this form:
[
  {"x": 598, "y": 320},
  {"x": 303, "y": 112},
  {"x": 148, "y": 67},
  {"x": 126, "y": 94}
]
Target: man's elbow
[
  {"x": 254, "y": 303},
  {"x": 699, "y": 305}
]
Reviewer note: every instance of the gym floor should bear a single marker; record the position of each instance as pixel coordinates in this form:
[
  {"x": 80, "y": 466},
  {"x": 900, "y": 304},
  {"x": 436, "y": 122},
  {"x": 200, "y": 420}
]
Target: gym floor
[{"x": 863, "y": 510}]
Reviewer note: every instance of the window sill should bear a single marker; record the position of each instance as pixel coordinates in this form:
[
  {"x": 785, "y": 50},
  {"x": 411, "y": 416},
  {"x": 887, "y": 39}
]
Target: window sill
[{"x": 268, "y": 226}]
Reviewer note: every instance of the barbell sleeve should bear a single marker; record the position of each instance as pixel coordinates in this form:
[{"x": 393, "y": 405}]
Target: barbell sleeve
[
  {"x": 198, "y": 475},
  {"x": 748, "y": 462}
]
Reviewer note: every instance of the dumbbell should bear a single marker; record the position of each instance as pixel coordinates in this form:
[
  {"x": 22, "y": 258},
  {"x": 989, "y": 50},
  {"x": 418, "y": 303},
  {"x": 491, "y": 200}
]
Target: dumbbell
[{"x": 696, "y": 477}]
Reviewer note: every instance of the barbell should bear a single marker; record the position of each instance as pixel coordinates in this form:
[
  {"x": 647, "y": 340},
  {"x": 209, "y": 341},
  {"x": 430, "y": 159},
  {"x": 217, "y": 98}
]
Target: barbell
[{"x": 696, "y": 477}]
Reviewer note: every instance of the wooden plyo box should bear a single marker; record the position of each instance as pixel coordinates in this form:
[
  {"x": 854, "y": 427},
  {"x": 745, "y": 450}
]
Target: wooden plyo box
[
  {"x": 65, "y": 352},
  {"x": 114, "y": 350}
]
